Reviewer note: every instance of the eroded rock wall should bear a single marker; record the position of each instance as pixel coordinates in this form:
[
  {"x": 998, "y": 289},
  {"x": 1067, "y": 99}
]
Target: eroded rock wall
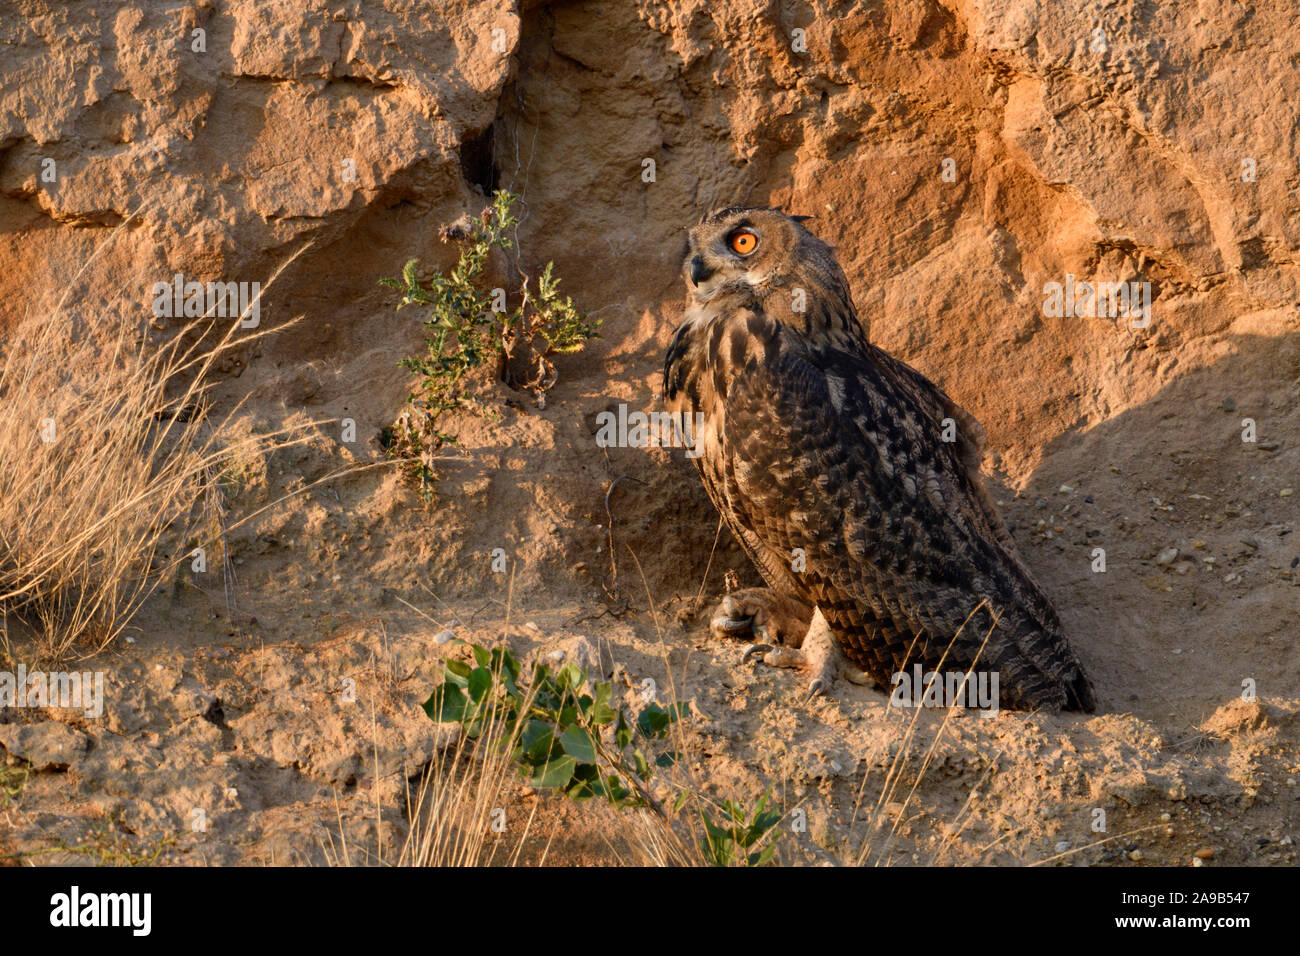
[{"x": 960, "y": 155}]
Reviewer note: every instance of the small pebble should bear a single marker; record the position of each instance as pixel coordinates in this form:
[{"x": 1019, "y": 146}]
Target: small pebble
[
  {"x": 1167, "y": 556},
  {"x": 1135, "y": 856},
  {"x": 1229, "y": 405},
  {"x": 1205, "y": 853},
  {"x": 1286, "y": 493},
  {"x": 442, "y": 637},
  {"x": 1197, "y": 861}
]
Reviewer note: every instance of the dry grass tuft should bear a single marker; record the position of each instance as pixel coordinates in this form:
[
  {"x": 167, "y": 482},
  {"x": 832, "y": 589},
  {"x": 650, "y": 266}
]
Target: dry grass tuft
[
  {"x": 464, "y": 813},
  {"x": 106, "y": 448},
  {"x": 464, "y": 810}
]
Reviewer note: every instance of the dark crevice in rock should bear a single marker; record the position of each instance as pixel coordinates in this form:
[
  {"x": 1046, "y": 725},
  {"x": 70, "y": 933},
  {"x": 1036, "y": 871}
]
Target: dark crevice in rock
[{"x": 478, "y": 160}]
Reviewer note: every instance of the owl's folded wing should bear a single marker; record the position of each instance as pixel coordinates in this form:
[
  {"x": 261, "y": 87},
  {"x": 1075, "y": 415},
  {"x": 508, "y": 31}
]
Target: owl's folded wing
[{"x": 844, "y": 458}]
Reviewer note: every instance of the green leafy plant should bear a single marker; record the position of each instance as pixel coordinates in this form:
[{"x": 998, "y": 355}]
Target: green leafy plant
[
  {"x": 564, "y": 734},
  {"x": 740, "y": 835},
  {"x": 556, "y": 726},
  {"x": 471, "y": 327}
]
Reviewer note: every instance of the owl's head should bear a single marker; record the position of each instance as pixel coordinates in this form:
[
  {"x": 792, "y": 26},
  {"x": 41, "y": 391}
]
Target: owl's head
[{"x": 760, "y": 251}]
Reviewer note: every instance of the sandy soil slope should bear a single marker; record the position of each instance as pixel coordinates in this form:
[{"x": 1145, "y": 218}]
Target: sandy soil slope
[{"x": 247, "y": 721}]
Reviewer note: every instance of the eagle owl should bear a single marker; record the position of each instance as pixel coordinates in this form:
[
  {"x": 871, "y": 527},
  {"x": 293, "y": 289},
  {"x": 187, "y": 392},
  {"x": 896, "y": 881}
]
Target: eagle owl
[{"x": 849, "y": 479}]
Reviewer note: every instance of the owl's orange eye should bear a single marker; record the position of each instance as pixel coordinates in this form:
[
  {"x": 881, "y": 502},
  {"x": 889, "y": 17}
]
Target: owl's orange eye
[{"x": 744, "y": 242}]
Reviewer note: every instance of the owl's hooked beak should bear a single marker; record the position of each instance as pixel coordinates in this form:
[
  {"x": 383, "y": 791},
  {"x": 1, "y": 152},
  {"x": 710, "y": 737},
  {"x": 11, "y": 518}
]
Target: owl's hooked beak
[{"x": 699, "y": 271}]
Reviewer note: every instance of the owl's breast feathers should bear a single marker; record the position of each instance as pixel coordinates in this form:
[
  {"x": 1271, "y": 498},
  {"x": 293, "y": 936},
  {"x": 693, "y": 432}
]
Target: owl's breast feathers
[{"x": 827, "y": 444}]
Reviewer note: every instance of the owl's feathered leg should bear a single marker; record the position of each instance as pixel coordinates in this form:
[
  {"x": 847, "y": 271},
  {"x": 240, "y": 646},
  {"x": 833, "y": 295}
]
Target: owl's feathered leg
[{"x": 818, "y": 654}]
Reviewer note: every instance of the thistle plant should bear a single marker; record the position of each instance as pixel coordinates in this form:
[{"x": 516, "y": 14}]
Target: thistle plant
[{"x": 471, "y": 327}]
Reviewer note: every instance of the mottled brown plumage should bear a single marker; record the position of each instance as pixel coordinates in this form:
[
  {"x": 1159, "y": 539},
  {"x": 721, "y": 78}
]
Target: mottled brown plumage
[{"x": 814, "y": 439}]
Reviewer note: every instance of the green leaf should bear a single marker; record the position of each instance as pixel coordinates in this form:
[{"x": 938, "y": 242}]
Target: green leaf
[
  {"x": 654, "y": 721},
  {"x": 642, "y": 767},
  {"x": 577, "y": 743},
  {"x": 457, "y": 672},
  {"x": 480, "y": 682},
  {"x": 714, "y": 831},
  {"x": 718, "y": 847},
  {"x": 446, "y": 703},
  {"x": 571, "y": 677},
  {"x": 504, "y": 662},
  {"x": 536, "y": 740},
  {"x": 618, "y": 793},
  {"x": 556, "y": 773},
  {"x": 586, "y": 783},
  {"x": 601, "y": 711}
]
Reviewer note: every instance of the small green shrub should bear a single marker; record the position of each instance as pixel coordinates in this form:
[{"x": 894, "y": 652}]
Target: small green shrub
[
  {"x": 739, "y": 836},
  {"x": 470, "y": 327},
  {"x": 560, "y": 742},
  {"x": 565, "y": 735}
]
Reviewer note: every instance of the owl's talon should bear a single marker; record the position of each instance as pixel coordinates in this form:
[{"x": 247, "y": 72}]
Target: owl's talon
[
  {"x": 761, "y": 615},
  {"x": 755, "y": 649},
  {"x": 733, "y": 624},
  {"x": 818, "y": 687}
]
